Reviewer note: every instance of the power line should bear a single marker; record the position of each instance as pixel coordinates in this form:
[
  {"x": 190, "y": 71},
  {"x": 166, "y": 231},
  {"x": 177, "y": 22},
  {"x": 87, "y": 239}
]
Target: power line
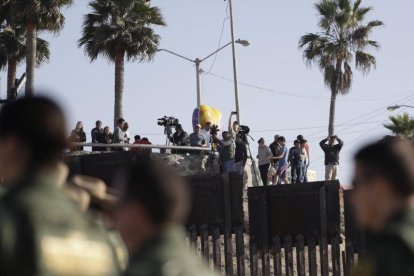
[
  {"x": 296, "y": 95},
  {"x": 315, "y": 127},
  {"x": 226, "y": 17}
]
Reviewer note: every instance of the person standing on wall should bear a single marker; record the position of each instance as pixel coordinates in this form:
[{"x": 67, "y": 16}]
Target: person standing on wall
[{"x": 331, "y": 151}]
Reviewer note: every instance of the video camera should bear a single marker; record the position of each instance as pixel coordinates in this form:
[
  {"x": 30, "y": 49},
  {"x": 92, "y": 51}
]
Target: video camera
[
  {"x": 168, "y": 121},
  {"x": 214, "y": 129},
  {"x": 243, "y": 132}
]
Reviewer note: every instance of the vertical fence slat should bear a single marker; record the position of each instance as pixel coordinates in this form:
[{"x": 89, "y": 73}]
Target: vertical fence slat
[
  {"x": 277, "y": 257},
  {"x": 193, "y": 236},
  {"x": 300, "y": 255},
  {"x": 323, "y": 245},
  {"x": 228, "y": 242},
  {"x": 344, "y": 269},
  {"x": 204, "y": 242},
  {"x": 216, "y": 248},
  {"x": 265, "y": 260},
  {"x": 313, "y": 269},
  {"x": 240, "y": 251},
  {"x": 288, "y": 256},
  {"x": 254, "y": 267},
  {"x": 349, "y": 256},
  {"x": 336, "y": 256}
]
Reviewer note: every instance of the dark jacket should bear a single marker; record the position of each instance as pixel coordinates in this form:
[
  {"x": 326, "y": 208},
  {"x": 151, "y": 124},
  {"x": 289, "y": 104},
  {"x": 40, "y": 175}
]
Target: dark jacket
[
  {"x": 240, "y": 154},
  {"x": 390, "y": 252},
  {"x": 331, "y": 152},
  {"x": 179, "y": 140}
]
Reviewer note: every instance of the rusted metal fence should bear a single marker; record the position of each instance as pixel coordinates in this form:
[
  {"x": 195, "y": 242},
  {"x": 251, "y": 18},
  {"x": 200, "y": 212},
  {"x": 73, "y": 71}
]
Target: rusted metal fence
[{"x": 296, "y": 229}]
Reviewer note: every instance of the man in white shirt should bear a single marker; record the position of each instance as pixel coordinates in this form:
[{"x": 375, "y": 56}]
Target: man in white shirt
[{"x": 206, "y": 132}]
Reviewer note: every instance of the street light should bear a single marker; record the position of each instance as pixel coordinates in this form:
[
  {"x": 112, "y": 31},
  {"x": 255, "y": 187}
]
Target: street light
[
  {"x": 394, "y": 107},
  {"x": 198, "y": 61}
]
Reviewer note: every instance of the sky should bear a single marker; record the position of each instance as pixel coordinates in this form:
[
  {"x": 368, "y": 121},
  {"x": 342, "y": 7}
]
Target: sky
[{"x": 279, "y": 94}]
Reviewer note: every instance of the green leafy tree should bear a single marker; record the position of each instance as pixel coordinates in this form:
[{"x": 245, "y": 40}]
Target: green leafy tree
[
  {"x": 119, "y": 30},
  {"x": 13, "y": 49},
  {"x": 343, "y": 38},
  {"x": 36, "y": 15},
  {"x": 401, "y": 125}
]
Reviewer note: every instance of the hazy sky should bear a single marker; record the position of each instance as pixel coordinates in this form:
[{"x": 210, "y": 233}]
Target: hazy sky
[{"x": 292, "y": 98}]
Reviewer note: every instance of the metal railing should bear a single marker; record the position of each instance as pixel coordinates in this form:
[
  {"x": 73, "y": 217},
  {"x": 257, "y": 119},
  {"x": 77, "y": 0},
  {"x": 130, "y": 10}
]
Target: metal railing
[{"x": 145, "y": 146}]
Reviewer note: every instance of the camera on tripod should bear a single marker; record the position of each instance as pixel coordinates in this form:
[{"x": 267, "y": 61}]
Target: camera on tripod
[
  {"x": 168, "y": 121},
  {"x": 243, "y": 132}
]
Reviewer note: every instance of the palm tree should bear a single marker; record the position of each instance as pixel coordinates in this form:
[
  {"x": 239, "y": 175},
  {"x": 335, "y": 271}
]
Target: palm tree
[
  {"x": 37, "y": 15},
  {"x": 119, "y": 29},
  {"x": 13, "y": 48},
  {"x": 343, "y": 37},
  {"x": 401, "y": 125}
]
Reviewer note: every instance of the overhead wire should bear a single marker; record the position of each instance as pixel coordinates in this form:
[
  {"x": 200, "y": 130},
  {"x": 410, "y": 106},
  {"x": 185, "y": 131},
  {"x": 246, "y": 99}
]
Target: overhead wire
[{"x": 295, "y": 94}]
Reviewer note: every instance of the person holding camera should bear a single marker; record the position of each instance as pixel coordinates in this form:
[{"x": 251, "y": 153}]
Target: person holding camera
[
  {"x": 179, "y": 138},
  {"x": 331, "y": 151},
  {"x": 233, "y": 128},
  {"x": 226, "y": 148}
]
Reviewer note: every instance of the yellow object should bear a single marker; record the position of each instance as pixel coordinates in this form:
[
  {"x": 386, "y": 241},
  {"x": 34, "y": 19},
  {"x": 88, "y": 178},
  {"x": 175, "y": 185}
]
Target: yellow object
[{"x": 209, "y": 114}]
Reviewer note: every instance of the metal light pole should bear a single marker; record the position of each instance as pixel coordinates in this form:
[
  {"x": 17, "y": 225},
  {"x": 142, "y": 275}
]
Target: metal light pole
[
  {"x": 236, "y": 88},
  {"x": 394, "y": 107},
  {"x": 198, "y": 61}
]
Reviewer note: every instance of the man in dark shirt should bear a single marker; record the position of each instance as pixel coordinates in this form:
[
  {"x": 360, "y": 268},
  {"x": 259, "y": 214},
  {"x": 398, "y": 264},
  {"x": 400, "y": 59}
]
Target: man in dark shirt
[
  {"x": 331, "y": 151},
  {"x": 383, "y": 199},
  {"x": 240, "y": 155},
  {"x": 96, "y": 131},
  {"x": 179, "y": 138}
]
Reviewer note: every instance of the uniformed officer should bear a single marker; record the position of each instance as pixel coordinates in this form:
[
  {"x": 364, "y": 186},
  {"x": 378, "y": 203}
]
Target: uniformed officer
[
  {"x": 154, "y": 204},
  {"x": 383, "y": 199},
  {"x": 42, "y": 232}
]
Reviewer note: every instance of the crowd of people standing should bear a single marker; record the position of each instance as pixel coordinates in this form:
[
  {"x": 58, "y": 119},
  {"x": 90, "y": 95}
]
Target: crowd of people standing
[
  {"x": 274, "y": 160},
  {"x": 103, "y": 135}
]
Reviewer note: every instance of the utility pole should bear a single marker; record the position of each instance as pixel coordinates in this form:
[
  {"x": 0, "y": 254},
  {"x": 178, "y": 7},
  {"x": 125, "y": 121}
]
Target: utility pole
[{"x": 236, "y": 88}]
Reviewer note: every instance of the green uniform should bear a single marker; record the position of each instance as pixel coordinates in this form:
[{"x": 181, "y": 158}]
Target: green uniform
[
  {"x": 167, "y": 255},
  {"x": 391, "y": 253},
  {"x": 42, "y": 232}
]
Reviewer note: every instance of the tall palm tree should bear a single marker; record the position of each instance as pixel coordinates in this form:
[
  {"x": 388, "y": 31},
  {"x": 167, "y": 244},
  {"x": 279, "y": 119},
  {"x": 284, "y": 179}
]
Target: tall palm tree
[
  {"x": 343, "y": 37},
  {"x": 119, "y": 29},
  {"x": 13, "y": 47},
  {"x": 37, "y": 15},
  {"x": 401, "y": 125}
]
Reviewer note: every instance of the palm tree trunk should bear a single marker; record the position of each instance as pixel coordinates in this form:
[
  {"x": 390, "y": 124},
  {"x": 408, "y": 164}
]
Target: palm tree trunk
[
  {"x": 11, "y": 77},
  {"x": 334, "y": 93},
  {"x": 119, "y": 85},
  {"x": 331, "y": 126},
  {"x": 30, "y": 57}
]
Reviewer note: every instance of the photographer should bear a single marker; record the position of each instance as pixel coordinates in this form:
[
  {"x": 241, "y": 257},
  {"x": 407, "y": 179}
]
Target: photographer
[
  {"x": 226, "y": 151},
  {"x": 240, "y": 156},
  {"x": 179, "y": 138},
  {"x": 233, "y": 128}
]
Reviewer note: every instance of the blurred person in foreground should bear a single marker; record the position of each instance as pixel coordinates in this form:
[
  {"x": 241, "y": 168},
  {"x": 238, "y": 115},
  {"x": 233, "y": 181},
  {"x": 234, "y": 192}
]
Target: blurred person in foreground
[
  {"x": 153, "y": 207},
  {"x": 383, "y": 199},
  {"x": 41, "y": 231}
]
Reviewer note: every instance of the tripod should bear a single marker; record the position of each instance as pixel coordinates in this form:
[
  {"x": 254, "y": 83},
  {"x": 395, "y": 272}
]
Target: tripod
[{"x": 255, "y": 182}]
